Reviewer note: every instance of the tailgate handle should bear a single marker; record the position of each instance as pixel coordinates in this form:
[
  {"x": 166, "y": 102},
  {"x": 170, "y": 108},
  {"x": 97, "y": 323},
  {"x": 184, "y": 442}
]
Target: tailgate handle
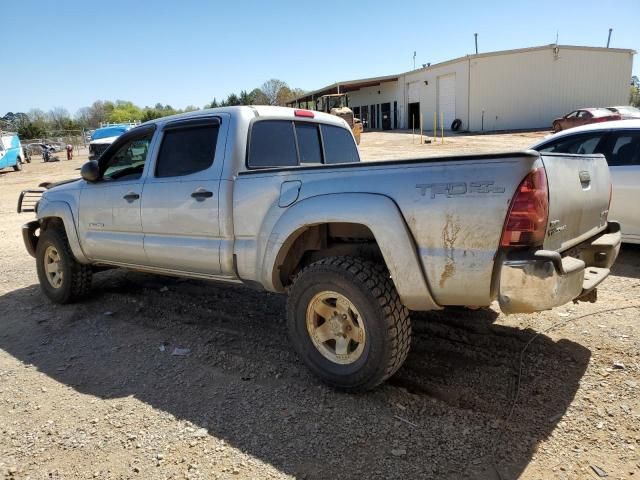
[{"x": 585, "y": 178}]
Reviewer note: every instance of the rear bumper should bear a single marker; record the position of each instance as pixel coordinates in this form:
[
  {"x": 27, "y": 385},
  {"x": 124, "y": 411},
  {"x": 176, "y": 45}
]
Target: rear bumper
[
  {"x": 532, "y": 282},
  {"x": 29, "y": 236}
]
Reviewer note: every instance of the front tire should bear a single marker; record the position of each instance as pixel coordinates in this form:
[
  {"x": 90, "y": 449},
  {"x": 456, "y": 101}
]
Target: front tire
[
  {"x": 347, "y": 323},
  {"x": 62, "y": 278},
  {"x": 18, "y": 166},
  {"x": 556, "y": 127}
]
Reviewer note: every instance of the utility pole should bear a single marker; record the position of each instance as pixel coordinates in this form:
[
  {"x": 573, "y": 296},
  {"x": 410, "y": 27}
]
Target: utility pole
[
  {"x": 476, "y": 37},
  {"x": 414, "y": 59},
  {"x": 609, "y": 39}
]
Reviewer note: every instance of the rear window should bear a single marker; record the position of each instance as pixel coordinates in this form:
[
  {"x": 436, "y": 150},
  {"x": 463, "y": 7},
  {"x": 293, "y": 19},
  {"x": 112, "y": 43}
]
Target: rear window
[
  {"x": 272, "y": 144},
  {"x": 309, "y": 143},
  {"x": 339, "y": 146},
  {"x": 282, "y": 143}
]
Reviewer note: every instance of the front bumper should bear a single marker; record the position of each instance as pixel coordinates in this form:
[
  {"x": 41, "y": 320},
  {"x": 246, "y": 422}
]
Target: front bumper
[{"x": 532, "y": 282}]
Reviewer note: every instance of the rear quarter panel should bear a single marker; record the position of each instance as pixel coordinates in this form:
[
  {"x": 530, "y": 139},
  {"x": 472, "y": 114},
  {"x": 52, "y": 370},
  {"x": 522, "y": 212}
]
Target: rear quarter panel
[{"x": 454, "y": 209}]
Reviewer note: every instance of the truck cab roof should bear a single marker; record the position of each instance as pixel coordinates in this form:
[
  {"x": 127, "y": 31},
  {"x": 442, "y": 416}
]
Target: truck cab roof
[{"x": 257, "y": 111}]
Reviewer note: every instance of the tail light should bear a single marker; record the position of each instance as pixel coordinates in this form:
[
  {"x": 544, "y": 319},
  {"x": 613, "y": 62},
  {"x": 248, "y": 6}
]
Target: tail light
[{"x": 526, "y": 222}]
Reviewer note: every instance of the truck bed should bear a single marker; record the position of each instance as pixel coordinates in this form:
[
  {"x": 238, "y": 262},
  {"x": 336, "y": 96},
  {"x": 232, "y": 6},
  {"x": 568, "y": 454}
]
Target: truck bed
[{"x": 455, "y": 208}]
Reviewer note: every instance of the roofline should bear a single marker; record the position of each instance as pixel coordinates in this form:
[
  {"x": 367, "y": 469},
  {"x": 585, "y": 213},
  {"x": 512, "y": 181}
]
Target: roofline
[
  {"x": 346, "y": 83},
  {"x": 385, "y": 78}
]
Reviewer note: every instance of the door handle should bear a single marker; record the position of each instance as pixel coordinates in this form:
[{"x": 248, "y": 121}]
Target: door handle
[
  {"x": 131, "y": 196},
  {"x": 200, "y": 195}
]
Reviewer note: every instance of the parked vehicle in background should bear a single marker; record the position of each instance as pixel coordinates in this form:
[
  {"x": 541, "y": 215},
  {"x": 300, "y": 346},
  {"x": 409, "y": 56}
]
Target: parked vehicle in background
[
  {"x": 338, "y": 105},
  {"x": 104, "y": 136},
  {"x": 584, "y": 116},
  {"x": 626, "y": 112},
  {"x": 277, "y": 198},
  {"x": 619, "y": 142},
  {"x": 11, "y": 153}
]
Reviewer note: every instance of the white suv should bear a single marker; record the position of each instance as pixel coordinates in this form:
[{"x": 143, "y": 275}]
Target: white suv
[{"x": 619, "y": 142}]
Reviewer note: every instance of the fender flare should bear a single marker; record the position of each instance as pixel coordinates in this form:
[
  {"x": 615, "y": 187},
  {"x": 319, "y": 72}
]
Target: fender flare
[
  {"x": 378, "y": 213},
  {"x": 63, "y": 211}
]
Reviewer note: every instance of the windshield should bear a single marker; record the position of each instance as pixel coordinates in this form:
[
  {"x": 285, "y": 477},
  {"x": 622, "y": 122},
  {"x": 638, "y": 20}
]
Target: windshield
[
  {"x": 108, "y": 132},
  {"x": 336, "y": 102}
]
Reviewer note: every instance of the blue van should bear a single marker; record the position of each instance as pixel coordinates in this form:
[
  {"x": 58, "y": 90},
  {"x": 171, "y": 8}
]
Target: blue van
[{"x": 11, "y": 154}]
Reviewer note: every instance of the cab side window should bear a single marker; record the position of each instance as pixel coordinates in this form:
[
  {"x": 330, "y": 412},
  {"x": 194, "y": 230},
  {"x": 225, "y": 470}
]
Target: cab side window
[
  {"x": 626, "y": 149},
  {"x": 186, "y": 150},
  {"x": 127, "y": 163}
]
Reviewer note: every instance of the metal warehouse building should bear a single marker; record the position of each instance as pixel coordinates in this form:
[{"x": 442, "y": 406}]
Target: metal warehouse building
[{"x": 510, "y": 89}]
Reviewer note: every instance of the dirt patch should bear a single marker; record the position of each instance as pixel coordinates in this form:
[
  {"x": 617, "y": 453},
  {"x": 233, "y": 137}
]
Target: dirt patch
[{"x": 94, "y": 390}]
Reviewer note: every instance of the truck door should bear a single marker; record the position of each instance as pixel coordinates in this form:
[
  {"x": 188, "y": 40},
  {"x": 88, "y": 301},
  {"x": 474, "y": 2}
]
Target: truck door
[
  {"x": 109, "y": 214},
  {"x": 180, "y": 205}
]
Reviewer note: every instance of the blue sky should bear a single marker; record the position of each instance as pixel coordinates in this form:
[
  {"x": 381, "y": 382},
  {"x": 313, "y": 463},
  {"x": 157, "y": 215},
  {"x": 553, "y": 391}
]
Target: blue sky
[{"x": 69, "y": 53}]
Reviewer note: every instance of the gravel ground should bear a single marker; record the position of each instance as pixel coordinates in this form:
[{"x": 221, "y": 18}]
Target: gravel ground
[
  {"x": 399, "y": 144},
  {"x": 94, "y": 390}
]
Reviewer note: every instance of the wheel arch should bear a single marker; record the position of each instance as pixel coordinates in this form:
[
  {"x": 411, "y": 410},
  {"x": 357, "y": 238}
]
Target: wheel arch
[
  {"x": 379, "y": 229},
  {"x": 52, "y": 214}
]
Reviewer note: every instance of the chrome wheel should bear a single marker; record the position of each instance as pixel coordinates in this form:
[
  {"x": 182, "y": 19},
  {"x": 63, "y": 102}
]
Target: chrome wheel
[
  {"x": 53, "y": 267},
  {"x": 335, "y": 327}
]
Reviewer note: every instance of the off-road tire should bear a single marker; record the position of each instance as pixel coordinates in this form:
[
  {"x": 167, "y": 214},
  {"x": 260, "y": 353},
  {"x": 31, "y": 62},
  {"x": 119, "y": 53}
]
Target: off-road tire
[
  {"x": 388, "y": 328},
  {"x": 76, "y": 279}
]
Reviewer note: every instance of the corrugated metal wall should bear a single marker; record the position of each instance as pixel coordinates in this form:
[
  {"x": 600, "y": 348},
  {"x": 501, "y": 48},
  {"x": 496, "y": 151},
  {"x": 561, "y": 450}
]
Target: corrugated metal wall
[
  {"x": 515, "y": 90},
  {"x": 529, "y": 89}
]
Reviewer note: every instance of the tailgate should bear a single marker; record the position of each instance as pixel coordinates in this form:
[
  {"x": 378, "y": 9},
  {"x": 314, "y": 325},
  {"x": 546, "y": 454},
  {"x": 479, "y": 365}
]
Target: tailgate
[{"x": 579, "y": 188}]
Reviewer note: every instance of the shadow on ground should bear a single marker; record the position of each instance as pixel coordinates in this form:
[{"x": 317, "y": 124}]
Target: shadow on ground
[
  {"x": 628, "y": 262},
  {"x": 244, "y": 384}
]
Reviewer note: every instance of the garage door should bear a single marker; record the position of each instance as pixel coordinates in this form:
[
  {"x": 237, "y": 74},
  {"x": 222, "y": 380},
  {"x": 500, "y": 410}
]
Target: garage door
[{"x": 447, "y": 99}]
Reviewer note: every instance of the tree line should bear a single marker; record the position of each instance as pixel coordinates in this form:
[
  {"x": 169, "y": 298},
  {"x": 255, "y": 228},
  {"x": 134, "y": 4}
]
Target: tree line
[{"x": 37, "y": 123}]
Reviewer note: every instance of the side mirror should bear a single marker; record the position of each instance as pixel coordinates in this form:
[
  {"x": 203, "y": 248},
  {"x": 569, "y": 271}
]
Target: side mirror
[{"x": 90, "y": 171}]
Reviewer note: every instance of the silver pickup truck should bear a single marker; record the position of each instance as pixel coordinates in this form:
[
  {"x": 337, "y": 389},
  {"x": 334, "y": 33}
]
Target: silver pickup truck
[{"x": 278, "y": 198}]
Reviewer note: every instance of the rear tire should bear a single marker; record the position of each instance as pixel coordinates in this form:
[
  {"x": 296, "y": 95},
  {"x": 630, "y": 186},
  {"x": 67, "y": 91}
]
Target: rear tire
[
  {"x": 62, "y": 278},
  {"x": 18, "y": 166},
  {"x": 360, "y": 308}
]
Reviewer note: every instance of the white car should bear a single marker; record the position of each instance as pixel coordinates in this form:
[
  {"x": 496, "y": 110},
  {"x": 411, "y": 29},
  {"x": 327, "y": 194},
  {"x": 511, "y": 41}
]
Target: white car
[
  {"x": 626, "y": 112},
  {"x": 102, "y": 137},
  {"x": 619, "y": 142}
]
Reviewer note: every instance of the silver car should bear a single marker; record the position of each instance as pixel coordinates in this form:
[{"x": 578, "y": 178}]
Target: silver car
[{"x": 619, "y": 142}]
